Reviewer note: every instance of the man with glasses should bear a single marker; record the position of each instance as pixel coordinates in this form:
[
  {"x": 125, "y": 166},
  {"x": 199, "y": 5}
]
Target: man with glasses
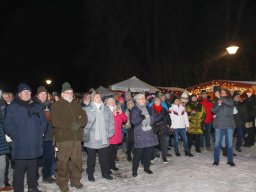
[
  {"x": 25, "y": 123},
  {"x": 68, "y": 119}
]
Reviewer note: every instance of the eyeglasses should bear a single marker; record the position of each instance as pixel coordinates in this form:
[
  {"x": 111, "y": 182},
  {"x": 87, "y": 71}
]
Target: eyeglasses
[{"x": 26, "y": 92}]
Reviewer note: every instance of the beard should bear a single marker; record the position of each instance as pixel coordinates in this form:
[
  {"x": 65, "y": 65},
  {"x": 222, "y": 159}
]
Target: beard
[{"x": 68, "y": 99}]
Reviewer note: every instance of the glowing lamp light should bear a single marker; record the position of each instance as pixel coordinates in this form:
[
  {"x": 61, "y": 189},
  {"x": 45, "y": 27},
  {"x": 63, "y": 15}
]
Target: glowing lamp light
[
  {"x": 48, "y": 81},
  {"x": 232, "y": 50}
]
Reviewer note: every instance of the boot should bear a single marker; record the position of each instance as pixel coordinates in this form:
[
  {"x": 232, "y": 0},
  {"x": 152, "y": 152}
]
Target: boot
[
  {"x": 198, "y": 150},
  {"x": 91, "y": 178},
  {"x": 232, "y": 164},
  {"x": 129, "y": 157},
  {"x": 188, "y": 153},
  {"x": 215, "y": 163},
  {"x": 77, "y": 185},
  {"x": 107, "y": 176},
  {"x": 177, "y": 153},
  {"x": 33, "y": 190},
  {"x": 148, "y": 171}
]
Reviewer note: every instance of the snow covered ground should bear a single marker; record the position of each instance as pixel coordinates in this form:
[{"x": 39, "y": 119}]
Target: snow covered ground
[{"x": 180, "y": 174}]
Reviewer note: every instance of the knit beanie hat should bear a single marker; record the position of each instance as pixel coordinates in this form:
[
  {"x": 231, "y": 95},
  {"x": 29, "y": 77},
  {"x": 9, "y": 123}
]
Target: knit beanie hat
[
  {"x": 23, "y": 87},
  {"x": 66, "y": 86},
  {"x": 41, "y": 89}
]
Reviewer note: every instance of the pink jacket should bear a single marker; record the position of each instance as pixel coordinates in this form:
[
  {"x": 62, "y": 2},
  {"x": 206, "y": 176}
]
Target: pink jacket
[{"x": 119, "y": 118}]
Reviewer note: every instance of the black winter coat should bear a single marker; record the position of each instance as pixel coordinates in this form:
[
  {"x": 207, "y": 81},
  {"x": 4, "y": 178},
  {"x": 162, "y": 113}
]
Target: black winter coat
[
  {"x": 242, "y": 115},
  {"x": 163, "y": 126}
]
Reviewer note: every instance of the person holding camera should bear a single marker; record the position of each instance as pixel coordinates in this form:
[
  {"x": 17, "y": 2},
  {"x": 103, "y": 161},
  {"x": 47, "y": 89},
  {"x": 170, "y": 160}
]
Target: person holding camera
[{"x": 224, "y": 124}]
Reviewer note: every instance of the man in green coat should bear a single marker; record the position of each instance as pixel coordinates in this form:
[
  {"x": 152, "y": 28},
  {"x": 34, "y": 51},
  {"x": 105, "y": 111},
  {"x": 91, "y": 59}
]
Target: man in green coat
[{"x": 68, "y": 119}]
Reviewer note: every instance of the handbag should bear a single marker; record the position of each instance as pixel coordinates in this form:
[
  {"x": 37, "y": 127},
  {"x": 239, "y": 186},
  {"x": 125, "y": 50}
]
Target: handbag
[
  {"x": 156, "y": 128},
  {"x": 87, "y": 134}
]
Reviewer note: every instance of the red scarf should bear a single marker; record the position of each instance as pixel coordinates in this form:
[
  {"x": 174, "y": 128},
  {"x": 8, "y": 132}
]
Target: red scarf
[{"x": 157, "y": 109}]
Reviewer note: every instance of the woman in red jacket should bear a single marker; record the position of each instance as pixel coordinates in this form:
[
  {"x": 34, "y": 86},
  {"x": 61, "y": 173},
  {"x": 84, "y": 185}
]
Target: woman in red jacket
[
  {"x": 119, "y": 118},
  {"x": 208, "y": 105}
]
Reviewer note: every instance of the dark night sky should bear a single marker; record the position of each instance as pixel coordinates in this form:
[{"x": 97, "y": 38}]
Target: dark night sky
[{"x": 99, "y": 42}]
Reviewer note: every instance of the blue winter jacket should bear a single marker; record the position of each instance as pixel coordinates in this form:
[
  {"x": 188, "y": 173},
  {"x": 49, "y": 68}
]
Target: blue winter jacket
[
  {"x": 26, "y": 125},
  {"x": 4, "y": 147}
]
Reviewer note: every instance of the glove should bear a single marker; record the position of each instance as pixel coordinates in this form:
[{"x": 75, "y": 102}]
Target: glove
[
  {"x": 75, "y": 126},
  {"x": 142, "y": 116}
]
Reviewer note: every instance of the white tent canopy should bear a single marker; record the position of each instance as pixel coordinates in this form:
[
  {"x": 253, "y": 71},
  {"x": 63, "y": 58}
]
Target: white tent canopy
[
  {"x": 171, "y": 88},
  {"x": 134, "y": 85},
  {"x": 104, "y": 91}
]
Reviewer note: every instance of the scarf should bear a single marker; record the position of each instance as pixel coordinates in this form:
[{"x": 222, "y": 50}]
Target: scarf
[
  {"x": 195, "y": 106},
  {"x": 157, "y": 109},
  {"x": 27, "y": 104},
  {"x": 100, "y": 128},
  {"x": 146, "y": 122}
]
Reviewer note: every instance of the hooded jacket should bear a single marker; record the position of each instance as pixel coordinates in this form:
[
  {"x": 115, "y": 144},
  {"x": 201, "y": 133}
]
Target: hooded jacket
[
  {"x": 25, "y": 123},
  {"x": 208, "y": 105}
]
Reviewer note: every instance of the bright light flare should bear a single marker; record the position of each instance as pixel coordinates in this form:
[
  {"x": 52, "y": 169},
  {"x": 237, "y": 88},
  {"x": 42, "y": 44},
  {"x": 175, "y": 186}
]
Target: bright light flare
[
  {"x": 232, "y": 50},
  {"x": 48, "y": 81}
]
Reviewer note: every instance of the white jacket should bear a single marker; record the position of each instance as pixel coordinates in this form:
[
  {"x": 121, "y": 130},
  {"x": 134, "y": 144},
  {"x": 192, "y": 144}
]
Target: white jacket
[{"x": 179, "y": 117}]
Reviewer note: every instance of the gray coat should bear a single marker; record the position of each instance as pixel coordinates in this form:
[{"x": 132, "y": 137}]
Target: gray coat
[
  {"x": 90, "y": 127},
  {"x": 224, "y": 114}
]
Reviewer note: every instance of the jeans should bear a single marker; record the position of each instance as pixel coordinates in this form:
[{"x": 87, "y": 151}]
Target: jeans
[
  {"x": 207, "y": 134},
  {"x": 219, "y": 133},
  {"x": 239, "y": 137},
  {"x": 183, "y": 135},
  {"x": 2, "y": 170}
]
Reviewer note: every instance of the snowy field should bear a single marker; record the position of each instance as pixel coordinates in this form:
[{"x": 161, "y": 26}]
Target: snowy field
[{"x": 180, "y": 174}]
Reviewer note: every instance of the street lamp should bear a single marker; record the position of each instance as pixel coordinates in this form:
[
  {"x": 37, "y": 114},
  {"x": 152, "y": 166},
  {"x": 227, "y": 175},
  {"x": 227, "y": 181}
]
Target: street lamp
[
  {"x": 48, "y": 81},
  {"x": 232, "y": 49}
]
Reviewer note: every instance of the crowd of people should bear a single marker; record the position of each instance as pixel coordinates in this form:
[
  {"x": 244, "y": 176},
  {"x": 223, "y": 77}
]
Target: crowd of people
[{"x": 49, "y": 132}]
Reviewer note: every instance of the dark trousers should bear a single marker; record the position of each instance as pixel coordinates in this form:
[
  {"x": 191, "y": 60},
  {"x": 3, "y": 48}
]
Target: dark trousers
[
  {"x": 112, "y": 152},
  {"x": 163, "y": 146},
  {"x": 194, "y": 137},
  {"x": 9, "y": 162},
  {"x": 250, "y": 139},
  {"x": 103, "y": 159},
  {"x": 20, "y": 167},
  {"x": 130, "y": 142},
  {"x": 146, "y": 154},
  {"x": 48, "y": 159}
]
